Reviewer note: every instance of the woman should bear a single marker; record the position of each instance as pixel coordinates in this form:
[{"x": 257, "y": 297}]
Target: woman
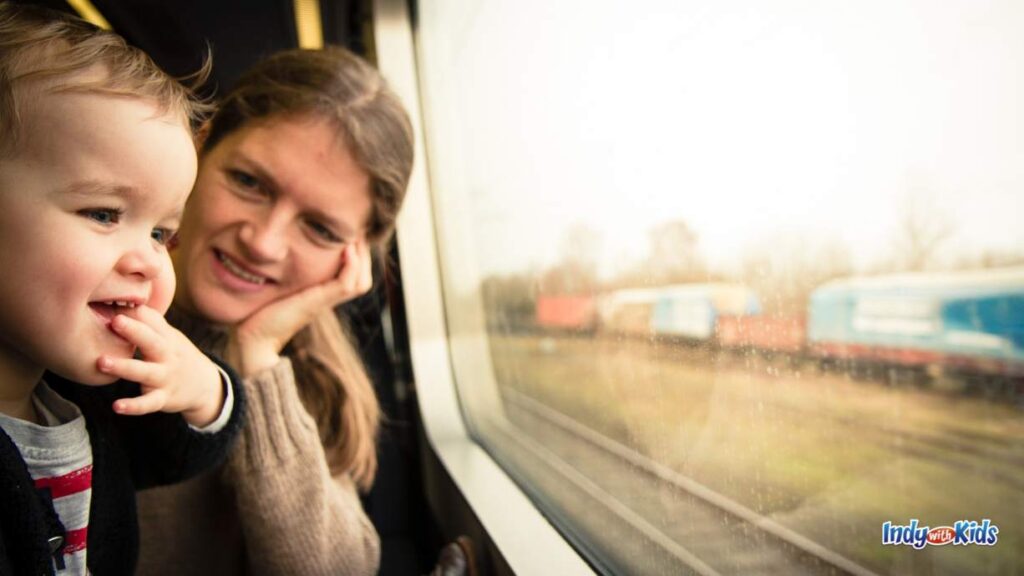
[{"x": 302, "y": 172}]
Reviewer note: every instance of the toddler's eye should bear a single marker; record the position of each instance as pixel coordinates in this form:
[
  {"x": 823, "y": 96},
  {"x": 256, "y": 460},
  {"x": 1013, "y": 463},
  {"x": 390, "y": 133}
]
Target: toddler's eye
[
  {"x": 165, "y": 236},
  {"x": 104, "y": 216}
]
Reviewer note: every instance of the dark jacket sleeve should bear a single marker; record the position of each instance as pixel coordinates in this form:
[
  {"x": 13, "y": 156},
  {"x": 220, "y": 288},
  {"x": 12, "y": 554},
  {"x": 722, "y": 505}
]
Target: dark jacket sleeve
[
  {"x": 160, "y": 448},
  {"x": 163, "y": 449}
]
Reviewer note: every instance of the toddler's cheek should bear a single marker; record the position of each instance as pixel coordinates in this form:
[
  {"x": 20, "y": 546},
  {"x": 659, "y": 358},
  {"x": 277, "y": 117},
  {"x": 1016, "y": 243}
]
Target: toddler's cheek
[{"x": 163, "y": 291}]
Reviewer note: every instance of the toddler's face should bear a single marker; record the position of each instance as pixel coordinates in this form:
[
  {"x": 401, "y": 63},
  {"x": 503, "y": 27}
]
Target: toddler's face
[{"x": 88, "y": 201}]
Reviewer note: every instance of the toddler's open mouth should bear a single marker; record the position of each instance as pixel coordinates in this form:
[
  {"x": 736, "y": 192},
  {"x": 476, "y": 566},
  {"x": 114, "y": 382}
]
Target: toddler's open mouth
[{"x": 110, "y": 308}]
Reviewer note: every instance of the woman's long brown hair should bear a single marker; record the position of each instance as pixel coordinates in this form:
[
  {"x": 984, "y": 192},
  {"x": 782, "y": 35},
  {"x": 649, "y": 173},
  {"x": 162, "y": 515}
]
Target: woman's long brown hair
[{"x": 336, "y": 85}]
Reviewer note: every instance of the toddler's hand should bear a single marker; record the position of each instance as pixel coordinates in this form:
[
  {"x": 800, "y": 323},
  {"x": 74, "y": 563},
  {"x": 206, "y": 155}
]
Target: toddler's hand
[
  {"x": 255, "y": 344},
  {"x": 174, "y": 375}
]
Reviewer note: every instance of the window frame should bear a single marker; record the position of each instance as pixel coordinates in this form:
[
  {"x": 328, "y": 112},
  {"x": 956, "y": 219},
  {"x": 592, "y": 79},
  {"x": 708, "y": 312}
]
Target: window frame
[{"x": 519, "y": 531}]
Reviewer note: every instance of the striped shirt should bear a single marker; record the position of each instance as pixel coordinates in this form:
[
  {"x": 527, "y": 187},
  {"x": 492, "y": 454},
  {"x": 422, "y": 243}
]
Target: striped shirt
[{"x": 59, "y": 459}]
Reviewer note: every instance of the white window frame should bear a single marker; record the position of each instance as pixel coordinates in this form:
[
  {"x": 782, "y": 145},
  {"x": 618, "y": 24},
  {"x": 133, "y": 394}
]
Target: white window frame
[{"x": 523, "y": 536}]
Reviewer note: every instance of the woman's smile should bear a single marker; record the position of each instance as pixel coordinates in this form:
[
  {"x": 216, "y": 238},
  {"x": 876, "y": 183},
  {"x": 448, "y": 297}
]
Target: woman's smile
[{"x": 235, "y": 275}]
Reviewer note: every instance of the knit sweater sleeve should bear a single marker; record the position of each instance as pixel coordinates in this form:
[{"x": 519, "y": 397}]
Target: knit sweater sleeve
[{"x": 296, "y": 517}]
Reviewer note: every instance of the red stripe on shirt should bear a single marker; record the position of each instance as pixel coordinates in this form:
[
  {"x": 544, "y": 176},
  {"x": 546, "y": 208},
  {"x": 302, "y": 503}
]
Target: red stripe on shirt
[
  {"x": 71, "y": 483},
  {"x": 75, "y": 540}
]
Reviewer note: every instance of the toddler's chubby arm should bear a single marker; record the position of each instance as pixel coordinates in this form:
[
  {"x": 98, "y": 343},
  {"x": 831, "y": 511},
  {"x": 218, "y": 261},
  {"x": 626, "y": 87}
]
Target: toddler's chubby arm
[{"x": 174, "y": 376}]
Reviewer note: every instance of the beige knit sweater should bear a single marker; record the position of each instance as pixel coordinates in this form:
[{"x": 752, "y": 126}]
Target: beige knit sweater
[{"x": 272, "y": 508}]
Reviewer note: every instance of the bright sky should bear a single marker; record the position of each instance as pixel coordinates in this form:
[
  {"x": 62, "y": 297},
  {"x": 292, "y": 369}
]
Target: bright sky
[{"x": 750, "y": 120}]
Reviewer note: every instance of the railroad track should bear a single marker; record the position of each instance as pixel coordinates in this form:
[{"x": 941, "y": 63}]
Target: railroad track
[{"x": 694, "y": 529}]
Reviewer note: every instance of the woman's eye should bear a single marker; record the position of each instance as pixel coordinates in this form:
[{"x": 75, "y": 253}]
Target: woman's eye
[
  {"x": 324, "y": 233},
  {"x": 104, "y": 216},
  {"x": 164, "y": 236},
  {"x": 244, "y": 179}
]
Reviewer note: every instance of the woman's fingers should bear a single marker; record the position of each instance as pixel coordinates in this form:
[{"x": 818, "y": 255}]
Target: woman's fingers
[
  {"x": 365, "y": 281},
  {"x": 349, "y": 272},
  {"x": 355, "y": 278},
  {"x": 152, "y": 401},
  {"x": 279, "y": 321}
]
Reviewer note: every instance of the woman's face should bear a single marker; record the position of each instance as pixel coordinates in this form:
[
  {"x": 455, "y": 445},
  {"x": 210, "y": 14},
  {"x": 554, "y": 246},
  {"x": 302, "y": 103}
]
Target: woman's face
[{"x": 274, "y": 204}]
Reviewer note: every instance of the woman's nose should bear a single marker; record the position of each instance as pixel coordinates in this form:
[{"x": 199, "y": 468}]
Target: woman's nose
[{"x": 263, "y": 241}]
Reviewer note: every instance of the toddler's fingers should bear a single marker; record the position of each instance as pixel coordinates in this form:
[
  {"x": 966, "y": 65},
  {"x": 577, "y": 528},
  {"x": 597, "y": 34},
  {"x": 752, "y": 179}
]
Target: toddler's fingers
[
  {"x": 152, "y": 401},
  {"x": 144, "y": 336},
  {"x": 151, "y": 318},
  {"x": 132, "y": 369}
]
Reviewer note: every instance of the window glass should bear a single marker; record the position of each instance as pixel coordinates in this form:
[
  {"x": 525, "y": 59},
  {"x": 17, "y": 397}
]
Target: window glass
[{"x": 738, "y": 286}]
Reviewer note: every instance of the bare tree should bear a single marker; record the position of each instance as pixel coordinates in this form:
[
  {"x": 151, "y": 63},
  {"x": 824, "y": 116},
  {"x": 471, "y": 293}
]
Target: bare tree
[
  {"x": 673, "y": 255},
  {"x": 923, "y": 229},
  {"x": 784, "y": 270},
  {"x": 991, "y": 258},
  {"x": 576, "y": 270}
]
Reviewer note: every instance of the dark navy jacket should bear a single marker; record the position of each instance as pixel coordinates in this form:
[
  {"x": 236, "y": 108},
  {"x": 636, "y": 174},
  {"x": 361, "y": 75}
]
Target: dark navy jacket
[{"x": 129, "y": 453}]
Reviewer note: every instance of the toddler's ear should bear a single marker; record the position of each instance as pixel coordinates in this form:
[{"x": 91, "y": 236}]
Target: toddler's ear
[{"x": 201, "y": 134}]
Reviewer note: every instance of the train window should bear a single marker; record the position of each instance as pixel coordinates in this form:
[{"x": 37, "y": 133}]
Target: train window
[{"x": 738, "y": 286}]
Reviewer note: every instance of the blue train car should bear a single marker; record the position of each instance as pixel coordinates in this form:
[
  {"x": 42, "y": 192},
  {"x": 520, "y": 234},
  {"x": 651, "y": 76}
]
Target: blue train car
[
  {"x": 964, "y": 321},
  {"x": 691, "y": 310}
]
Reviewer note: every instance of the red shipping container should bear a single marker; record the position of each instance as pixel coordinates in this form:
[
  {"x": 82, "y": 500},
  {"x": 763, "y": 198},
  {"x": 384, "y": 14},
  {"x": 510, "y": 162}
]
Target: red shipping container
[
  {"x": 761, "y": 332},
  {"x": 566, "y": 312}
]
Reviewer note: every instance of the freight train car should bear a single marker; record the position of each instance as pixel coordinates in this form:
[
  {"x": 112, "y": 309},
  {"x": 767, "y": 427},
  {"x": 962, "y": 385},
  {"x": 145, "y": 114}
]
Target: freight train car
[
  {"x": 681, "y": 311},
  {"x": 628, "y": 312},
  {"x": 768, "y": 334},
  {"x": 959, "y": 323},
  {"x": 691, "y": 311},
  {"x": 568, "y": 313}
]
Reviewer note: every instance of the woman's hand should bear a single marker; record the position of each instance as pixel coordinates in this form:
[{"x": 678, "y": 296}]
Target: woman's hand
[
  {"x": 256, "y": 343},
  {"x": 174, "y": 375}
]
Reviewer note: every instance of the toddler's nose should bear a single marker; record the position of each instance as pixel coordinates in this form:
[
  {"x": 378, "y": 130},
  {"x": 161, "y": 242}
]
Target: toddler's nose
[{"x": 145, "y": 261}]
